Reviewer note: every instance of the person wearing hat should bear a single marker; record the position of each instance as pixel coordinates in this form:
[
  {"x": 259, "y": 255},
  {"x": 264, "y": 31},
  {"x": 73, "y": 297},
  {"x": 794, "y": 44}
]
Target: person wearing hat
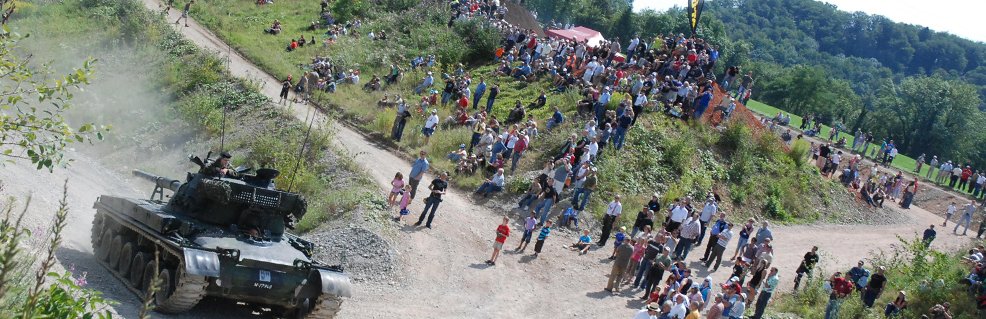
[
  {"x": 220, "y": 167},
  {"x": 651, "y": 311},
  {"x": 430, "y": 124}
]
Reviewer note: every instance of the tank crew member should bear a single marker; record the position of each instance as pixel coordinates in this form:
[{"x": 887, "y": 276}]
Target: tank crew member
[{"x": 221, "y": 167}]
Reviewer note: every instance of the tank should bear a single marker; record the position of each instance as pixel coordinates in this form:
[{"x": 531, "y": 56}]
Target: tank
[{"x": 216, "y": 236}]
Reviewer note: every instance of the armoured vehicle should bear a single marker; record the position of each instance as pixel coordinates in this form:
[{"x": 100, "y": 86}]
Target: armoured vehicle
[{"x": 218, "y": 236}]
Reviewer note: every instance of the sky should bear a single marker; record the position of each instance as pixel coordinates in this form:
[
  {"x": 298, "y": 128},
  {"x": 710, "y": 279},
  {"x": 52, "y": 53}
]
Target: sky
[{"x": 961, "y": 17}]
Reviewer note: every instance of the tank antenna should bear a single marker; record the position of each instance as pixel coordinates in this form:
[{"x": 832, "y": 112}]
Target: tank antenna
[
  {"x": 222, "y": 132},
  {"x": 302, "y": 151}
]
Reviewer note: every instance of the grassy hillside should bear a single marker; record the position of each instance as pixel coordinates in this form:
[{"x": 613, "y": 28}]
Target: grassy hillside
[
  {"x": 192, "y": 86},
  {"x": 754, "y": 173}
]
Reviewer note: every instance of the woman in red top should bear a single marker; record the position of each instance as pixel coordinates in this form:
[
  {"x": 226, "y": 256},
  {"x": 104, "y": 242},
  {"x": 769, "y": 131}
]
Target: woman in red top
[{"x": 502, "y": 232}]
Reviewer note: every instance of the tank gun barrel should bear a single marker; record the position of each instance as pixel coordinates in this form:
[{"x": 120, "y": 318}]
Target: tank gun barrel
[{"x": 159, "y": 181}]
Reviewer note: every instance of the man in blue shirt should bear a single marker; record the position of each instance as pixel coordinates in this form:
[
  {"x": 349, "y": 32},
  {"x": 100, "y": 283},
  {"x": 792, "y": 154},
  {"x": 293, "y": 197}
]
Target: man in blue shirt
[
  {"x": 480, "y": 89},
  {"x": 703, "y": 103},
  {"x": 418, "y": 170},
  {"x": 556, "y": 119}
]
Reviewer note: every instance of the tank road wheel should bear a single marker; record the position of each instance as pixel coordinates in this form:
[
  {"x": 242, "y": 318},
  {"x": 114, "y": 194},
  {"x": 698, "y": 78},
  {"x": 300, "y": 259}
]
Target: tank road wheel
[
  {"x": 148, "y": 277},
  {"x": 137, "y": 266},
  {"x": 97, "y": 231},
  {"x": 180, "y": 292},
  {"x": 301, "y": 311},
  {"x": 326, "y": 307},
  {"x": 116, "y": 247},
  {"x": 126, "y": 256},
  {"x": 103, "y": 249}
]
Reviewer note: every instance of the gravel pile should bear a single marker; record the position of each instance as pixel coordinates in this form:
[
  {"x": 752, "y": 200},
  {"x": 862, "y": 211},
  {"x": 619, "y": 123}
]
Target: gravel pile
[
  {"x": 849, "y": 210},
  {"x": 364, "y": 255}
]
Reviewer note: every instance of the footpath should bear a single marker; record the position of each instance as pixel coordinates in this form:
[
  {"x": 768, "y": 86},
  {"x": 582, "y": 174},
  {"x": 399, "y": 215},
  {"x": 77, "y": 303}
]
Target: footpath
[{"x": 444, "y": 269}]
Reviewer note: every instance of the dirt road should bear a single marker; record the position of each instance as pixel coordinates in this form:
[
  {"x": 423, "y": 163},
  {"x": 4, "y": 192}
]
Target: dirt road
[{"x": 446, "y": 276}]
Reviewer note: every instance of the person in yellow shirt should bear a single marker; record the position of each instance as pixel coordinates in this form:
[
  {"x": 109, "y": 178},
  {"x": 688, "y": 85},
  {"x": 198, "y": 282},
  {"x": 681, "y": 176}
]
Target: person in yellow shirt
[{"x": 694, "y": 310}]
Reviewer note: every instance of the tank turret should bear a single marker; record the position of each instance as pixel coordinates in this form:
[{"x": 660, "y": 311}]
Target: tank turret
[{"x": 222, "y": 236}]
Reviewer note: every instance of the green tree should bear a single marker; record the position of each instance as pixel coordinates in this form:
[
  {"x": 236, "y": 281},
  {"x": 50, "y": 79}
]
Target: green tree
[
  {"x": 345, "y": 10},
  {"x": 33, "y": 101},
  {"x": 930, "y": 115}
]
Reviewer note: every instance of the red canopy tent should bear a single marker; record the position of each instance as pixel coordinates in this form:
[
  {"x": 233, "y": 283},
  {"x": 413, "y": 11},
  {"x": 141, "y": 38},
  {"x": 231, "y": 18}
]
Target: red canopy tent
[{"x": 578, "y": 34}]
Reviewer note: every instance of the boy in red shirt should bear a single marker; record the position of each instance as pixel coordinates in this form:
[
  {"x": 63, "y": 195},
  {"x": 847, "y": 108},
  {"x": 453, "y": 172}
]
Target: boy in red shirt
[{"x": 502, "y": 232}]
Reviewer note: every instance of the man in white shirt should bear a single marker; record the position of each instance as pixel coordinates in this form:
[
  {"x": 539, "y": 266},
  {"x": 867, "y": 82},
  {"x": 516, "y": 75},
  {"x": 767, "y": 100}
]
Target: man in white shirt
[
  {"x": 722, "y": 241},
  {"x": 680, "y": 308},
  {"x": 710, "y": 210},
  {"x": 592, "y": 150},
  {"x": 494, "y": 184},
  {"x": 678, "y": 215},
  {"x": 613, "y": 211},
  {"x": 649, "y": 312},
  {"x": 430, "y": 125}
]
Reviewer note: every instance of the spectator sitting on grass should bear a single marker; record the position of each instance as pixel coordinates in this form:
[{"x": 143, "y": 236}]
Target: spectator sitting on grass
[
  {"x": 493, "y": 184},
  {"x": 293, "y": 45},
  {"x": 467, "y": 165},
  {"x": 458, "y": 155},
  {"x": 275, "y": 28}
]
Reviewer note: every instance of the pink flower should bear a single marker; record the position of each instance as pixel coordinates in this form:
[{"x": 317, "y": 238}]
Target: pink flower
[{"x": 81, "y": 281}]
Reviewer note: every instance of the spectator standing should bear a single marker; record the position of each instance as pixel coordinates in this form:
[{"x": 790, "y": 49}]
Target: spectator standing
[
  {"x": 478, "y": 94},
  {"x": 689, "y": 234},
  {"x": 548, "y": 198},
  {"x": 930, "y": 234},
  {"x": 875, "y": 287},
  {"x": 184, "y": 12},
  {"x": 765, "y": 293},
  {"x": 418, "y": 170},
  {"x": 494, "y": 91},
  {"x": 529, "y": 223},
  {"x": 841, "y": 288},
  {"x": 542, "y": 236},
  {"x": 430, "y": 124},
  {"x": 949, "y": 212},
  {"x": 613, "y": 212},
  {"x": 437, "y": 188},
  {"x": 744, "y": 237},
  {"x": 932, "y": 165},
  {"x": 678, "y": 215},
  {"x": 708, "y": 211},
  {"x": 583, "y": 189},
  {"x": 806, "y": 266},
  {"x": 722, "y": 240},
  {"x": 966, "y": 219},
  {"x": 502, "y": 232},
  {"x": 623, "y": 254}
]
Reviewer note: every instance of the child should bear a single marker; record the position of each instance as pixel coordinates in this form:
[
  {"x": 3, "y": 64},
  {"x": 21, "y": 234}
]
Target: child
[
  {"x": 529, "y": 224},
  {"x": 545, "y": 231},
  {"x": 405, "y": 200},
  {"x": 502, "y": 232},
  {"x": 582, "y": 246},
  {"x": 620, "y": 237},
  {"x": 398, "y": 184}
]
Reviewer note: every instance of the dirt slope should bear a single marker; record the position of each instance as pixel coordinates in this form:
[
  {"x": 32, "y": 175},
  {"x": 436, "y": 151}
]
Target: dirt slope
[
  {"x": 519, "y": 16},
  {"x": 444, "y": 266}
]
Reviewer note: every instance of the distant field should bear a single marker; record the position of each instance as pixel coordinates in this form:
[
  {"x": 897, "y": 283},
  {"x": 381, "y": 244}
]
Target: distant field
[{"x": 901, "y": 162}]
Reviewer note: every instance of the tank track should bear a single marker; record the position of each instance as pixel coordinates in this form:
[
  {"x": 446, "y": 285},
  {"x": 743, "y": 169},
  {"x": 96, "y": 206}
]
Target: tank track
[
  {"x": 326, "y": 308},
  {"x": 186, "y": 290}
]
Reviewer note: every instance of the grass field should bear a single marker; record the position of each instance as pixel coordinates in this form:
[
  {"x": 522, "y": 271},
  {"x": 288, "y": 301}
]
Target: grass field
[{"x": 901, "y": 162}]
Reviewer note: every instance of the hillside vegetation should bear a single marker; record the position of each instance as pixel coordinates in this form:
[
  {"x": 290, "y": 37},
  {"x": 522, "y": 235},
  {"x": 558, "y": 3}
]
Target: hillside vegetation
[
  {"x": 193, "y": 87},
  {"x": 850, "y": 69},
  {"x": 755, "y": 175}
]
